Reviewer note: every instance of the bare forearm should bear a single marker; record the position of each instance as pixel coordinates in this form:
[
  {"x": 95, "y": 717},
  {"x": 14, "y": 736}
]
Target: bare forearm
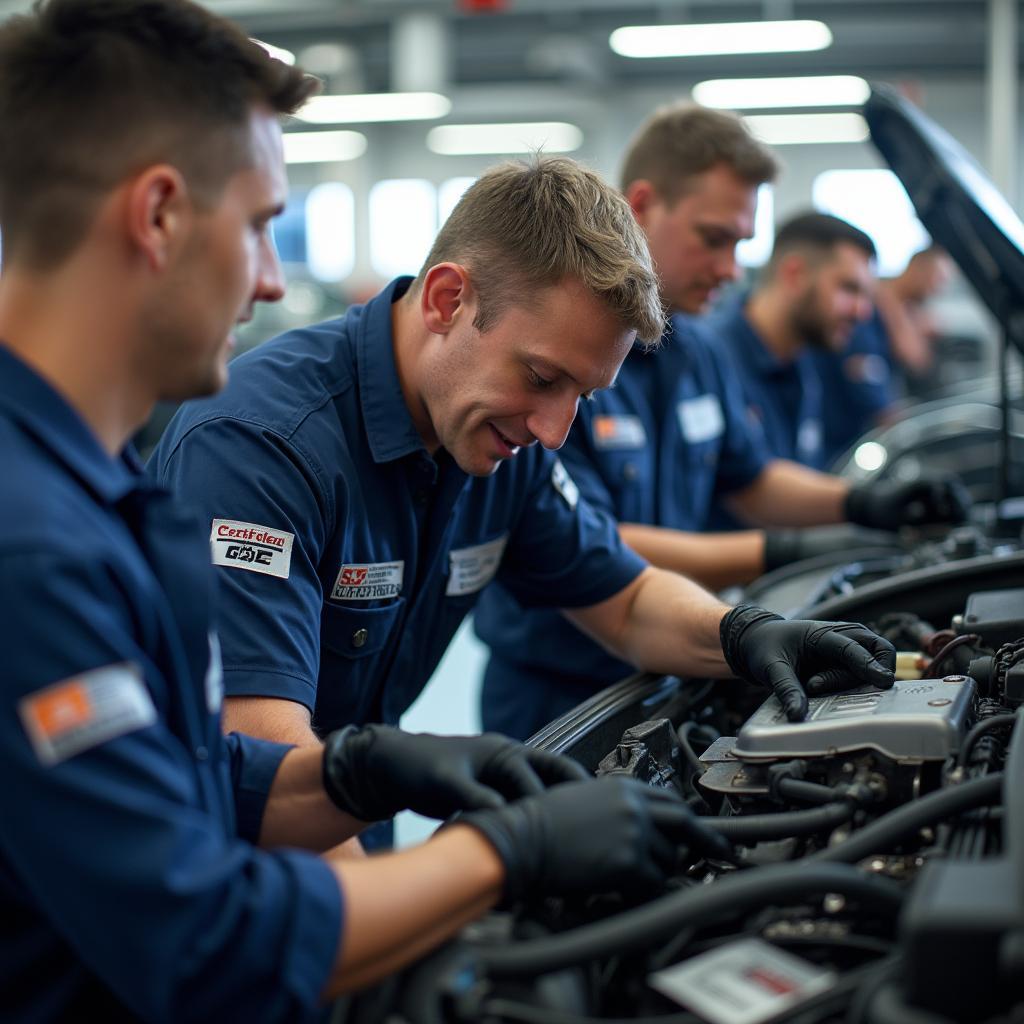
[
  {"x": 661, "y": 622},
  {"x": 788, "y": 494},
  {"x": 714, "y": 560},
  {"x": 399, "y": 906}
]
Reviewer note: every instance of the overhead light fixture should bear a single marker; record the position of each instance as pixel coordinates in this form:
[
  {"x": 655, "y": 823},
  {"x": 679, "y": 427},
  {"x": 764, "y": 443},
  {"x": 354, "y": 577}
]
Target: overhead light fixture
[
  {"x": 797, "y": 129},
  {"x": 363, "y": 108},
  {"x": 808, "y": 91},
  {"x": 728, "y": 37},
  {"x": 285, "y": 56},
  {"x": 523, "y": 137},
  {"x": 323, "y": 147}
]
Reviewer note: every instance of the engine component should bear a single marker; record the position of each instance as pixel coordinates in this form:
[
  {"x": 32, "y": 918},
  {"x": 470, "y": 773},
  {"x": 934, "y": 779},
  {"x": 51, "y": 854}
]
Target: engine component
[{"x": 995, "y": 615}]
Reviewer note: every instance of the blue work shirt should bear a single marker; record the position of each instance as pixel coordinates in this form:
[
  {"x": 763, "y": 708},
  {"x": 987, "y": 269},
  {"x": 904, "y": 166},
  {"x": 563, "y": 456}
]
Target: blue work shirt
[
  {"x": 856, "y": 385},
  {"x": 129, "y": 885},
  {"x": 658, "y": 448},
  {"x": 373, "y": 551},
  {"x": 784, "y": 397}
]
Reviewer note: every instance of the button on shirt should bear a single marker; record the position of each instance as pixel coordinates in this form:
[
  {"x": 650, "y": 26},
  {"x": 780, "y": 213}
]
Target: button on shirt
[
  {"x": 372, "y": 551},
  {"x": 784, "y": 397},
  {"x": 128, "y": 884},
  {"x": 657, "y": 448}
]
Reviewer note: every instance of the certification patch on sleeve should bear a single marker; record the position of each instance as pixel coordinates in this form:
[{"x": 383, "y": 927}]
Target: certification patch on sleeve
[
  {"x": 474, "y": 567},
  {"x": 250, "y": 546},
  {"x": 564, "y": 484},
  {"x": 77, "y": 714},
  {"x": 373, "y": 581}
]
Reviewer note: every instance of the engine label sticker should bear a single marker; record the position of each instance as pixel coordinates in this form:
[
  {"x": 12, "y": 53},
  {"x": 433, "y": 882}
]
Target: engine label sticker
[
  {"x": 250, "y": 546},
  {"x": 748, "y": 981},
  {"x": 472, "y": 568},
  {"x": 619, "y": 432},
  {"x": 564, "y": 484},
  {"x": 370, "y": 581},
  {"x": 77, "y": 714},
  {"x": 701, "y": 419}
]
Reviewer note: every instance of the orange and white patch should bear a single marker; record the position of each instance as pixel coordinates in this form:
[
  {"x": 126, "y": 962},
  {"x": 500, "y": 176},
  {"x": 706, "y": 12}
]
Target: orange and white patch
[{"x": 77, "y": 714}]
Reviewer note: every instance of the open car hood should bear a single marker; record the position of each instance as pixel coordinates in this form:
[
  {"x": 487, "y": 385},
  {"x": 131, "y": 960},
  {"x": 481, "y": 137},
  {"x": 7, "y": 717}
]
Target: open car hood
[{"x": 957, "y": 203}]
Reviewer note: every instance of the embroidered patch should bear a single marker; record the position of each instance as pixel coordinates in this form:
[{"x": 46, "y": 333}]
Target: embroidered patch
[
  {"x": 77, "y": 714},
  {"x": 474, "y": 567},
  {"x": 701, "y": 419},
  {"x": 249, "y": 546},
  {"x": 368, "y": 582},
  {"x": 619, "y": 432}
]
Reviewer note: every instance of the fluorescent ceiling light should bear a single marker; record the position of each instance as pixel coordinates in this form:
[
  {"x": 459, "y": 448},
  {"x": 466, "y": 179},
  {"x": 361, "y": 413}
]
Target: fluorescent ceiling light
[
  {"x": 730, "y": 37},
  {"x": 285, "y": 56},
  {"x": 809, "y": 91},
  {"x": 362, "y": 108},
  {"x": 794, "y": 129},
  {"x": 525, "y": 137},
  {"x": 323, "y": 147}
]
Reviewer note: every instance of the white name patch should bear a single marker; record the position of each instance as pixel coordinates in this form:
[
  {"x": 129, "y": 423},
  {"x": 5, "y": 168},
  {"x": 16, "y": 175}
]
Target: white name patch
[
  {"x": 564, "y": 484},
  {"x": 808, "y": 439},
  {"x": 368, "y": 582},
  {"x": 250, "y": 546},
  {"x": 701, "y": 419},
  {"x": 77, "y": 714},
  {"x": 474, "y": 567},
  {"x": 619, "y": 432}
]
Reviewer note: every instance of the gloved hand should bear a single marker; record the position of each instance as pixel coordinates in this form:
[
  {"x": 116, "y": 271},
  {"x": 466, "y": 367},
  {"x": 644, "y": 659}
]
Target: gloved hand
[
  {"x": 890, "y": 504},
  {"x": 782, "y": 547},
  {"x": 376, "y": 771},
  {"x": 765, "y": 648},
  {"x": 613, "y": 833}
]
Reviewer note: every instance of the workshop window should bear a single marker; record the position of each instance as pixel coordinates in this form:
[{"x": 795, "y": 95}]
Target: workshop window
[{"x": 403, "y": 222}]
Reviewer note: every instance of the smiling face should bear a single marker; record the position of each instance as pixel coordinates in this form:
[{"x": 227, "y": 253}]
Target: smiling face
[
  {"x": 226, "y": 264},
  {"x": 489, "y": 394},
  {"x": 693, "y": 240}
]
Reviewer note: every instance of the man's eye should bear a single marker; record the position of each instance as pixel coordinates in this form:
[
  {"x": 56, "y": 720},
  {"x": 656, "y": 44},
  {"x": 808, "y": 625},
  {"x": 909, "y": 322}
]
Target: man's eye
[{"x": 538, "y": 381}]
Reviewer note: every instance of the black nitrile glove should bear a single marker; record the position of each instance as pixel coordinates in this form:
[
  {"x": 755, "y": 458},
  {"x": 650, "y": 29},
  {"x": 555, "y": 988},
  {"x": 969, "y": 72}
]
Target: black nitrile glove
[
  {"x": 782, "y": 547},
  {"x": 890, "y": 504},
  {"x": 765, "y": 648},
  {"x": 376, "y": 771},
  {"x": 603, "y": 835}
]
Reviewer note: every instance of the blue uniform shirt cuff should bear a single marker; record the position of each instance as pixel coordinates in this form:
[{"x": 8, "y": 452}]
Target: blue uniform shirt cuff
[{"x": 254, "y": 764}]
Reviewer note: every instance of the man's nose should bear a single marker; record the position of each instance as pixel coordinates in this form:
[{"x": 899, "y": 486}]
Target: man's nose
[{"x": 550, "y": 424}]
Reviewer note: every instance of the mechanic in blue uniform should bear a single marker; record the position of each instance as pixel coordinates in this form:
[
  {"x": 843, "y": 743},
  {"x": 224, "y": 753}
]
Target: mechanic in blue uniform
[
  {"x": 364, "y": 479},
  {"x": 150, "y": 867},
  {"x": 672, "y": 438}
]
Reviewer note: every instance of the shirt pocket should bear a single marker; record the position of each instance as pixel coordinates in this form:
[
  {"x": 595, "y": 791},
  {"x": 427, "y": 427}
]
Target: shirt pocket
[{"x": 359, "y": 632}]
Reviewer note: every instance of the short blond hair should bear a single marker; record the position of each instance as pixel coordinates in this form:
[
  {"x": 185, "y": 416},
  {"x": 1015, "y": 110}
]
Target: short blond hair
[
  {"x": 680, "y": 141},
  {"x": 529, "y": 225}
]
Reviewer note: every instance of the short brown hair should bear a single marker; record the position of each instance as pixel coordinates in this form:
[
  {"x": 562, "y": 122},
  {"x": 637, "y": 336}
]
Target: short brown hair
[
  {"x": 678, "y": 142},
  {"x": 815, "y": 235},
  {"x": 92, "y": 91},
  {"x": 523, "y": 226}
]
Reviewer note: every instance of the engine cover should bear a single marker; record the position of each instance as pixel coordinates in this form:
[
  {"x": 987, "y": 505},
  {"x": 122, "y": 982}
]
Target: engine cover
[{"x": 917, "y": 720}]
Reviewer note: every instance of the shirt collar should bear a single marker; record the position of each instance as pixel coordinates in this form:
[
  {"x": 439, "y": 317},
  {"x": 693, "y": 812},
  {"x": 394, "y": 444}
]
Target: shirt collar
[
  {"x": 30, "y": 400},
  {"x": 755, "y": 353},
  {"x": 389, "y": 426}
]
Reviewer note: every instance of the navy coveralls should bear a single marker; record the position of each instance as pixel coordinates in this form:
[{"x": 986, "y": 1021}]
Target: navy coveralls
[
  {"x": 658, "y": 448},
  {"x": 129, "y": 887},
  {"x": 856, "y": 384},
  {"x": 347, "y": 555},
  {"x": 784, "y": 397}
]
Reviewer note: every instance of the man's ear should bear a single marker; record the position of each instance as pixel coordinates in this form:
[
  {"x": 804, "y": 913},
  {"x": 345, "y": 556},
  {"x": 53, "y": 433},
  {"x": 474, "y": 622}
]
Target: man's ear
[
  {"x": 157, "y": 209},
  {"x": 795, "y": 271},
  {"x": 641, "y": 196},
  {"x": 447, "y": 294}
]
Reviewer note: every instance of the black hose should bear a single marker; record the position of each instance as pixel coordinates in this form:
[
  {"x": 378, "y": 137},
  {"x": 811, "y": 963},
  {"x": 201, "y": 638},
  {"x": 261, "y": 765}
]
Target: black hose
[
  {"x": 756, "y": 828},
  {"x": 692, "y": 908},
  {"x": 691, "y": 756},
  {"x": 885, "y": 832},
  {"x": 806, "y": 792},
  {"x": 524, "y": 1013},
  {"x": 980, "y": 729}
]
